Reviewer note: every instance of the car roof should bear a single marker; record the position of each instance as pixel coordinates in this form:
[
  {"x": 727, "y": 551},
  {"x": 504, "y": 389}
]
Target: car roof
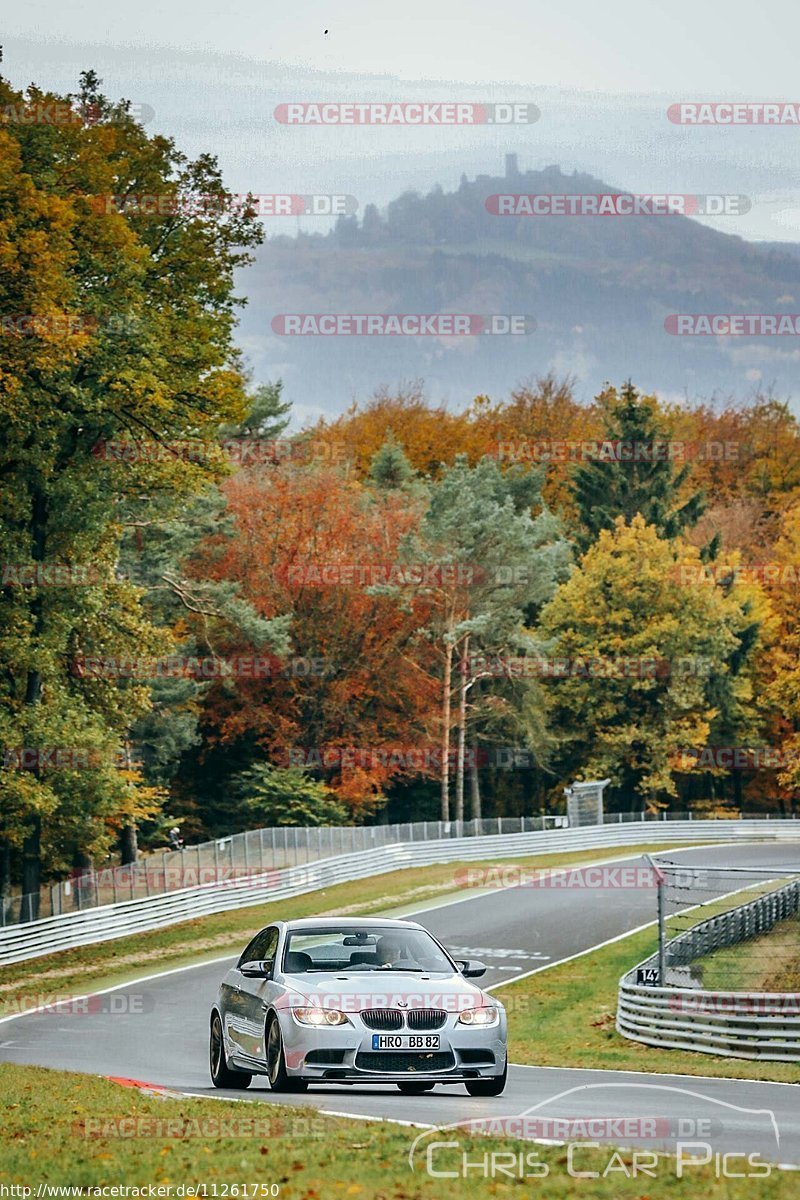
[{"x": 347, "y": 923}]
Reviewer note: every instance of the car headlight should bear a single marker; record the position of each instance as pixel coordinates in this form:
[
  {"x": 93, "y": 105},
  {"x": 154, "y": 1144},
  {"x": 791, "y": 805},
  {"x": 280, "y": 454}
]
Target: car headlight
[
  {"x": 319, "y": 1016},
  {"x": 479, "y": 1016}
]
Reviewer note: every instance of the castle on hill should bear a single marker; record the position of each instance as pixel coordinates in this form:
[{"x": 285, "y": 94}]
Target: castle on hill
[{"x": 547, "y": 175}]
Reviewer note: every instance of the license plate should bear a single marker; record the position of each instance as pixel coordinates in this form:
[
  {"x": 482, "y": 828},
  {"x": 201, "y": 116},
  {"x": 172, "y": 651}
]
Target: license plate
[{"x": 405, "y": 1041}]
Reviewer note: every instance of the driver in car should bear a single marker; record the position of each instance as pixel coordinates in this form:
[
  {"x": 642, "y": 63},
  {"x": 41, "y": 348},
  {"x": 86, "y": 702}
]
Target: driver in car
[{"x": 393, "y": 953}]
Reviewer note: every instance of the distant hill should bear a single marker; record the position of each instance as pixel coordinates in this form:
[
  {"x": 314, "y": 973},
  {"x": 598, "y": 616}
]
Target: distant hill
[
  {"x": 599, "y": 288},
  {"x": 790, "y": 248}
]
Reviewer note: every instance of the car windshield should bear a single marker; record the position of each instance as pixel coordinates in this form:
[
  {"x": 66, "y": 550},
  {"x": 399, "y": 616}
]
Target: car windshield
[{"x": 373, "y": 949}]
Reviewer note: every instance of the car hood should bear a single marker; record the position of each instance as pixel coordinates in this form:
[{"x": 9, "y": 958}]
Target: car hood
[{"x": 354, "y": 991}]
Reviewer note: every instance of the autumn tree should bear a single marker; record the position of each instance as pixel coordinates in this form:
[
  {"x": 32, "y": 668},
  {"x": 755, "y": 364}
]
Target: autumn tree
[
  {"x": 159, "y": 553},
  {"x": 780, "y": 700},
  {"x": 118, "y": 330},
  {"x": 431, "y": 435},
  {"x": 538, "y": 427},
  {"x": 355, "y": 692},
  {"x": 645, "y": 646}
]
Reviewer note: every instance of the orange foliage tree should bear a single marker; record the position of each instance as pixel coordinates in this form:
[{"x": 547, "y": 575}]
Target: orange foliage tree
[
  {"x": 358, "y": 690},
  {"x": 526, "y": 430},
  {"x": 431, "y": 436}
]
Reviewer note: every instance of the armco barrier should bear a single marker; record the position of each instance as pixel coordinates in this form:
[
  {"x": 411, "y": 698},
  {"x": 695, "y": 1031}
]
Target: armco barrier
[
  {"x": 734, "y": 1024},
  {"x": 36, "y": 938},
  {"x": 271, "y": 849}
]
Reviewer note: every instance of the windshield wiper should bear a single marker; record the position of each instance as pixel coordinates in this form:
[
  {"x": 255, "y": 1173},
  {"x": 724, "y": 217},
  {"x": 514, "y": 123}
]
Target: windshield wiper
[{"x": 413, "y": 970}]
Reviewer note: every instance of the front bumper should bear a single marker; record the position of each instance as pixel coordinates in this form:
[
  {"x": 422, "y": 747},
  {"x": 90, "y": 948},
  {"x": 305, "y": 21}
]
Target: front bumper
[{"x": 346, "y": 1053}]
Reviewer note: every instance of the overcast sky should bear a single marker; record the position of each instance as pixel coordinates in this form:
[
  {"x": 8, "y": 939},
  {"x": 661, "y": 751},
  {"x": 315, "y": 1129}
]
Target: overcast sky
[{"x": 680, "y": 46}]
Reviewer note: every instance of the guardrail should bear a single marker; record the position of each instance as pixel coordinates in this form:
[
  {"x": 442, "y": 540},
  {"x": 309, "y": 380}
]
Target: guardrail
[
  {"x": 51, "y": 934},
  {"x": 270, "y": 848},
  {"x": 734, "y": 1024}
]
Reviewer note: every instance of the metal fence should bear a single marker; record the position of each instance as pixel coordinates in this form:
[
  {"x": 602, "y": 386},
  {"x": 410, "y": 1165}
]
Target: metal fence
[
  {"x": 265, "y": 849},
  {"x": 734, "y": 927},
  {"x": 257, "y": 886},
  {"x": 679, "y": 1013}
]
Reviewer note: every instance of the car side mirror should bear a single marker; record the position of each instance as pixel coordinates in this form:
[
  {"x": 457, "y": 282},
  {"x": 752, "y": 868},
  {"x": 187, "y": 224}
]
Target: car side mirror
[
  {"x": 260, "y": 968},
  {"x": 470, "y": 968}
]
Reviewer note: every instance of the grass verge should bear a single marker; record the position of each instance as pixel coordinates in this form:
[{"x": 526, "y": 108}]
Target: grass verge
[
  {"x": 63, "y": 1130},
  {"x": 767, "y": 963},
  {"x": 106, "y": 963}
]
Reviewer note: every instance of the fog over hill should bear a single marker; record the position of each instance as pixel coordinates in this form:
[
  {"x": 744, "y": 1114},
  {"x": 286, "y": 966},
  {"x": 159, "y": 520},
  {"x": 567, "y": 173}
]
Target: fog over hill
[{"x": 599, "y": 287}]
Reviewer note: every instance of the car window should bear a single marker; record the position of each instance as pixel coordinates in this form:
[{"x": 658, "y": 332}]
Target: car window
[
  {"x": 263, "y": 945},
  {"x": 376, "y": 949}
]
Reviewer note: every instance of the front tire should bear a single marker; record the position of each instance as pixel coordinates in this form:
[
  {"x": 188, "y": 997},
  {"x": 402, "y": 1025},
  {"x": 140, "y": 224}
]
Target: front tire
[
  {"x": 488, "y": 1087},
  {"x": 415, "y": 1089},
  {"x": 221, "y": 1074},
  {"x": 279, "y": 1079}
]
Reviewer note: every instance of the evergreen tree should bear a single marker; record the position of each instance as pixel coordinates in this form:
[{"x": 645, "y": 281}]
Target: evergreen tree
[
  {"x": 390, "y": 468},
  {"x": 267, "y": 417},
  {"x": 160, "y": 554},
  {"x": 505, "y": 564},
  {"x": 633, "y": 473}
]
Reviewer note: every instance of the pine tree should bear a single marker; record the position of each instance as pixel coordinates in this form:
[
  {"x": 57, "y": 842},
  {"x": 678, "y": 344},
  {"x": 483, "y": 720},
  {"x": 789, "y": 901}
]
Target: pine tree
[
  {"x": 480, "y": 518},
  {"x": 633, "y": 473},
  {"x": 159, "y": 553},
  {"x": 390, "y": 468}
]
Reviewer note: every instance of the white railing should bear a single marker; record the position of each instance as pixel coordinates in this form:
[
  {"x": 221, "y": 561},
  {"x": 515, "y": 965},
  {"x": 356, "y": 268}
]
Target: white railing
[{"x": 51, "y": 934}]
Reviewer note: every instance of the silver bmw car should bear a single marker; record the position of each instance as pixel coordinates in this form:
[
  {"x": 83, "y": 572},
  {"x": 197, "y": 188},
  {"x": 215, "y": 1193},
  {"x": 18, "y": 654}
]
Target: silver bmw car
[{"x": 331, "y": 1000}]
